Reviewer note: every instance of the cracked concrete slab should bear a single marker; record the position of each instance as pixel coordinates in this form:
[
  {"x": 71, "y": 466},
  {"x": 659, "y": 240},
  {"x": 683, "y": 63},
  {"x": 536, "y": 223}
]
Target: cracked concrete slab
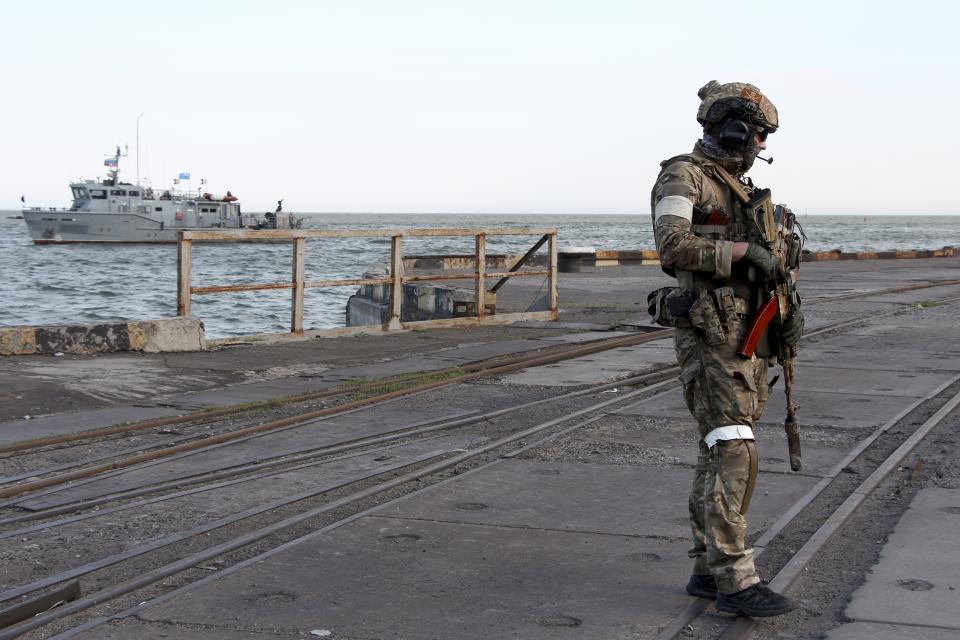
[
  {"x": 923, "y": 339},
  {"x": 598, "y": 498},
  {"x": 827, "y": 379},
  {"x": 114, "y": 379},
  {"x": 917, "y": 584},
  {"x": 877, "y": 631},
  {"x": 381, "y": 577},
  {"x": 596, "y": 368},
  {"x": 901, "y": 360}
]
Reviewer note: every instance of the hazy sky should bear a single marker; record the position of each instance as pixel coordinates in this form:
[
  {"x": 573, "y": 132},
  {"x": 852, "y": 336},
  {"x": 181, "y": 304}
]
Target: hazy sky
[{"x": 528, "y": 106}]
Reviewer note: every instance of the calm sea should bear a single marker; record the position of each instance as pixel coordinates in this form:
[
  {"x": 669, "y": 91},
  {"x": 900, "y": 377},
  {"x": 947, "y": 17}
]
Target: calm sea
[{"x": 55, "y": 284}]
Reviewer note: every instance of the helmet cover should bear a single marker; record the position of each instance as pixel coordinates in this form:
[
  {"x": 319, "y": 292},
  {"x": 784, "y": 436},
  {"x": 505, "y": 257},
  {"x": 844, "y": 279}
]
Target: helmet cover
[{"x": 736, "y": 100}]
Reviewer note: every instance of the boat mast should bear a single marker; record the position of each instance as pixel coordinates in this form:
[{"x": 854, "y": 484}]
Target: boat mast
[
  {"x": 138, "y": 148},
  {"x": 113, "y": 165}
]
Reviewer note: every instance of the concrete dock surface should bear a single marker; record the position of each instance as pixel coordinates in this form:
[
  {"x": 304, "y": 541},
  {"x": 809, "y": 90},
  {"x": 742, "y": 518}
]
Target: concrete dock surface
[{"x": 585, "y": 536}]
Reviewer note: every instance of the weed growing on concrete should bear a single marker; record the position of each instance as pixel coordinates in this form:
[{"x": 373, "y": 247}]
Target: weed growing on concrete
[{"x": 389, "y": 386}]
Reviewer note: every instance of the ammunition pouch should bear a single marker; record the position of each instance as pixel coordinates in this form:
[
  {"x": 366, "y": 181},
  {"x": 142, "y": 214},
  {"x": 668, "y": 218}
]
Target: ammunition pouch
[
  {"x": 669, "y": 307},
  {"x": 727, "y": 306},
  {"x": 713, "y": 313},
  {"x": 705, "y": 317}
]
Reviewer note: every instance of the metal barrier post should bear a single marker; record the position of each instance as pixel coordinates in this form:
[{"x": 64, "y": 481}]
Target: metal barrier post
[
  {"x": 296, "y": 314},
  {"x": 184, "y": 246},
  {"x": 480, "y": 274},
  {"x": 553, "y": 275},
  {"x": 396, "y": 272}
]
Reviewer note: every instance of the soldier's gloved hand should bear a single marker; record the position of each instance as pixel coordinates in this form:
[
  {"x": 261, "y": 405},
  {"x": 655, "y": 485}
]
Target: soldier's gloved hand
[
  {"x": 792, "y": 328},
  {"x": 763, "y": 260}
]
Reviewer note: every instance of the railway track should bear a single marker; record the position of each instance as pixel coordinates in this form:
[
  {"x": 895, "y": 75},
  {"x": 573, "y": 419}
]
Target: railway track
[
  {"x": 245, "y": 534},
  {"x": 408, "y": 473}
]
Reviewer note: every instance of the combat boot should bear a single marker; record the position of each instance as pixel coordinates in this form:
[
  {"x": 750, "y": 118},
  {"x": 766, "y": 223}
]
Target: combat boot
[
  {"x": 757, "y": 601},
  {"x": 702, "y": 586}
]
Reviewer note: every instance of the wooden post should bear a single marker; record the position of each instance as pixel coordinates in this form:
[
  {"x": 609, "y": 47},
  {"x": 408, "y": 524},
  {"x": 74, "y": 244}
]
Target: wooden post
[
  {"x": 480, "y": 275},
  {"x": 396, "y": 271},
  {"x": 553, "y": 276},
  {"x": 184, "y": 246},
  {"x": 296, "y": 314}
]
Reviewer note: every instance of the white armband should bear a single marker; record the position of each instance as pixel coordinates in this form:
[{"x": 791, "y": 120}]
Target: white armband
[
  {"x": 679, "y": 206},
  {"x": 730, "y": 432}
]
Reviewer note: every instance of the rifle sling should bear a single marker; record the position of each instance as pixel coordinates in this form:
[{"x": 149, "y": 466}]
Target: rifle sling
[{"x": 733, "y": 183}]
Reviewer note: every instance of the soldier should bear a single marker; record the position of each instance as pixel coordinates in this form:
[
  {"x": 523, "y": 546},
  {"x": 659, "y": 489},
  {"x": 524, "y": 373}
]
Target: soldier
[{"x": 705, "y": 240}]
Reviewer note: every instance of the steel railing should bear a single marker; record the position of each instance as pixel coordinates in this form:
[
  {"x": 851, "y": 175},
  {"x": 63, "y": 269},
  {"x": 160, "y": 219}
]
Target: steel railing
[{"x": 395, "y": 279}]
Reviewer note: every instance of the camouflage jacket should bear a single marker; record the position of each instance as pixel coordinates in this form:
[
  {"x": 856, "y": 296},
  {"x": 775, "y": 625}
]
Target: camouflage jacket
[{"x": 695, "y": 243}]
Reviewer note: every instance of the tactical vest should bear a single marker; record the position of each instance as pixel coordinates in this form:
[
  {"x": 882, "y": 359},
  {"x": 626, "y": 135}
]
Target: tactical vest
[{"x": 726, "y": 219}]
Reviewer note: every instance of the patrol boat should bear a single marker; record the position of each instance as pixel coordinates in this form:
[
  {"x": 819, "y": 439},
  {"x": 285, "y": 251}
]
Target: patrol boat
[{"x": 113, "y": 211}]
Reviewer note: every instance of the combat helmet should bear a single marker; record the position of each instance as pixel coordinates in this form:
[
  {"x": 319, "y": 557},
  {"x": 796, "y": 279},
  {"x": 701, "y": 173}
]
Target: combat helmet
[{"x": 739, "y": 100}]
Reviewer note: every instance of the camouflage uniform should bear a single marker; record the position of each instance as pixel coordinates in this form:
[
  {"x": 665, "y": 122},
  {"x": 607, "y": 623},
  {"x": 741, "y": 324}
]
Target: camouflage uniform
[{"x": 721, "y": 389}]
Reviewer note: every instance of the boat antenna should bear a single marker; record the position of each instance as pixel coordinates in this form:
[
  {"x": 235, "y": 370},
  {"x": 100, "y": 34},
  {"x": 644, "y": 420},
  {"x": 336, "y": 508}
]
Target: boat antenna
[{"x": 113, "y": 166}]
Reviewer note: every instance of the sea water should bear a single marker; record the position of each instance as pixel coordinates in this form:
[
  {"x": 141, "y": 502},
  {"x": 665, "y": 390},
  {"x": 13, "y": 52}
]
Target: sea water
[{"x": 92, "y": 283}]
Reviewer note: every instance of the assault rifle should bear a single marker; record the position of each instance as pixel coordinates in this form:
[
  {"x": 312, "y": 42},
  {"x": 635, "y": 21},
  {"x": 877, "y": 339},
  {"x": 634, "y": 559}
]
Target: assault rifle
[{"x": 776, "y": 229}]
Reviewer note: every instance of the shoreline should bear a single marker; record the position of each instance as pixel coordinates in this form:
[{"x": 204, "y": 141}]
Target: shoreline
[{"x": 187, "y": 334}]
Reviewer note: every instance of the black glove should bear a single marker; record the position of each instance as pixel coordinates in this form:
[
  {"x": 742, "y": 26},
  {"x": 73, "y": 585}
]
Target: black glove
[
  {"x": 763, "y": 260},
  {"x": 792, "y": 328}
]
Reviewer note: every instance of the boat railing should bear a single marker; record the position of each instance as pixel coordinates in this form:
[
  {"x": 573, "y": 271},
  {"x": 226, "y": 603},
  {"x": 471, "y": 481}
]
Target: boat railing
[
  {"x": 395, "y": 278},
  {"x": 177, "y": 196}
]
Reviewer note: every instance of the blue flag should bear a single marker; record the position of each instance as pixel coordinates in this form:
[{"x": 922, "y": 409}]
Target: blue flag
[{"x": 185, "y": 175}]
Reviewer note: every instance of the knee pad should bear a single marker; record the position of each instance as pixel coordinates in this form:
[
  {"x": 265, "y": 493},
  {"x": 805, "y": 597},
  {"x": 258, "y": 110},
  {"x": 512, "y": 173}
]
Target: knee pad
[{"x": 751, "y": 477}]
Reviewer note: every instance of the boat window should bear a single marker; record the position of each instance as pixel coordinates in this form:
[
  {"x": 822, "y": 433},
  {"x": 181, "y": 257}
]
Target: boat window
[
  {"x": 158, "y": 208},
  {"x": 118, "y": 192},
  {"x": 133, "y": 193},
  {"x": 98, "y": 194}
]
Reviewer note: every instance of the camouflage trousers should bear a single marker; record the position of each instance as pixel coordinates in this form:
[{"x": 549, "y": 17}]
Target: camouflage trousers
[{"x": 721, "y": 389}]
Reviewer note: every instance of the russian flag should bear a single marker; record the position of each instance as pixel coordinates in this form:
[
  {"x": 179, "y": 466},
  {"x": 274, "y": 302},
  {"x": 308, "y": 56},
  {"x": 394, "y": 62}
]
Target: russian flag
[{"x": 110, "y": 162}]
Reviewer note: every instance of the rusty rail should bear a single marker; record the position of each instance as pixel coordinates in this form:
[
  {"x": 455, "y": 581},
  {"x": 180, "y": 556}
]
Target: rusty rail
[{"x": 297, "y": 283}]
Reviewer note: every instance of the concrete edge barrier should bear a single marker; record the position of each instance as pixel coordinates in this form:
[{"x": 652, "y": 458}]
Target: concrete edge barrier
[
  {"x": 607, "y": 258},
  {"x": 821, "y": 256},
  {"x": 148, "y": 336}
]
